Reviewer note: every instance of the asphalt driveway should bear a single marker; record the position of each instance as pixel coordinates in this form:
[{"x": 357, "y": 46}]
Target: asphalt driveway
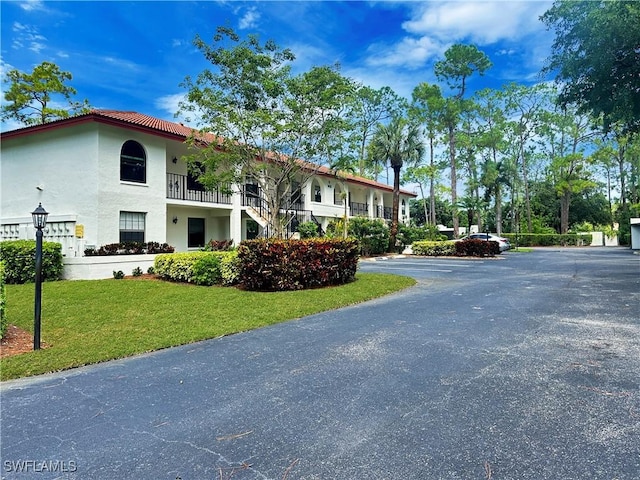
[{"x": 523, "y": 367}]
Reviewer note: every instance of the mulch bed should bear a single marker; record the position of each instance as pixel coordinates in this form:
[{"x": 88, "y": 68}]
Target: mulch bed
[{"x": 16, "y": 341}]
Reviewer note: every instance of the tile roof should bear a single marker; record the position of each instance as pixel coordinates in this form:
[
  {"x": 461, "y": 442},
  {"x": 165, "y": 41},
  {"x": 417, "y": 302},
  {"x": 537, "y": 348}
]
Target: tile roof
[{"x": 157, "y": 126}]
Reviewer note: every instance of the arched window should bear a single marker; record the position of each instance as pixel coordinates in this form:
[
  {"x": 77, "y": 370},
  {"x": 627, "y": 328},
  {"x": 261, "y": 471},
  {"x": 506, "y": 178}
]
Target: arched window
[
  {"x": 133, "y": 162},
  {"x": 317, "y": 192},
  {"x": 404, "y": 207}
]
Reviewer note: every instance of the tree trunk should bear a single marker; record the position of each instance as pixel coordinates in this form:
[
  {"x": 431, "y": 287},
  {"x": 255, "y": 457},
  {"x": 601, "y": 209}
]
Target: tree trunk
[
  {"x": 454, "y": 180},
  {"x": 498, "y": 210},
  {"x": 432, "y": 188},
  {"x": 623, "y": 186},
  {"x": 565, "y": 202},
  {"x": 525, "y": 180},
  {"x": 393, "y": 232}
]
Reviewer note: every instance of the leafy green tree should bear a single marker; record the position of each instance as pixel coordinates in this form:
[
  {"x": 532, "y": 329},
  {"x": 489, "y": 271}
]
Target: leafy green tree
[
  {"x": 423, "y": 175},
  {"x": 427, "y": 107},
  {"x": 523, "y": 107},
  {"x": 265, "y": 119},
  {"x": 396, "y": 143},
  {"x": 596, "y": 57},
  {"x": 460, "y": 62},
  {"x": 491, "y": 142},
  {"x": 565, "y": 134},
  {"x": 32, "y": 96},
  {"x": 368, "y": 108}
]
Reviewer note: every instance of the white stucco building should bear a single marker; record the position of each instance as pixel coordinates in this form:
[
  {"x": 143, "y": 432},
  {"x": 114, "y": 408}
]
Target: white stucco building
[{"x": 111, "y": 176}]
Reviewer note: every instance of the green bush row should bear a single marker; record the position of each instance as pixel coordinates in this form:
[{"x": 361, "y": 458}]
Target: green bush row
[
  {"x": 372, "y": 234},
  {"x": 276, "y": 265},
  {"x": 201, "y": 268},
  {"x": 549, "y": 239},
  {"x": 434, "y": 248},
  {"x": 19, "y": 257},
  {"x": 3, "y": 302}
]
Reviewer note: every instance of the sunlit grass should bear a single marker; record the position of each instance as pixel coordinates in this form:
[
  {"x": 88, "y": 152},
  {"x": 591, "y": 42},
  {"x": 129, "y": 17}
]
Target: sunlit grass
[{"x": 86, "y": 322}]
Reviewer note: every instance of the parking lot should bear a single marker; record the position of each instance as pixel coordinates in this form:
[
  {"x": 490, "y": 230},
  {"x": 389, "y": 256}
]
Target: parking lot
[{"x": 522, "y": 367}]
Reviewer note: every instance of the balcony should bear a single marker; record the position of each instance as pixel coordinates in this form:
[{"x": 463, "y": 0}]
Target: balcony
[
  {"x": 183, "y": 187},
  {"x": 384, "y": 212},
  {"x": 359, "y": 209}
]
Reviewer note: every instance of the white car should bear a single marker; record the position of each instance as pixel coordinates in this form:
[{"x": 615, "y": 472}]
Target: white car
[{"x": 502, "y": 242}]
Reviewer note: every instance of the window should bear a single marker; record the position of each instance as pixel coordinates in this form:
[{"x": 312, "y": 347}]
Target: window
[
  {"x": 132, "y": 226},
  {"x": 317, "y": 193},
  {"x": 133, "y": 163},
  {"x": 196, "y": 232}
]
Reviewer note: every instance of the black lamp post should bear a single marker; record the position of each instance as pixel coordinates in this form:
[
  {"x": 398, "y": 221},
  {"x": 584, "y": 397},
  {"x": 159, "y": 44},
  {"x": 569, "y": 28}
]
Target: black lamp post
[{"x": 39, "y": 221}]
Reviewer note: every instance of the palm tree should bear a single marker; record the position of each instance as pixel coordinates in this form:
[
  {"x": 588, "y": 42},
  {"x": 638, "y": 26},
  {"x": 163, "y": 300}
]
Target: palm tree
[{"x": 396, "y": 143}]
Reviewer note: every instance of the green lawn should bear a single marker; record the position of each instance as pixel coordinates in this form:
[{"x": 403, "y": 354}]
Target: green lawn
[{"x": 92, "y": 321}]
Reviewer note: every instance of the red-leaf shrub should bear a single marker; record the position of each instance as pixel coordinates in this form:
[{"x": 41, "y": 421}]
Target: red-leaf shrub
[
  {"x": 477, "y": 248},
  {"x": 129, "y": 248},
  {"x": 274, "y": 265}
]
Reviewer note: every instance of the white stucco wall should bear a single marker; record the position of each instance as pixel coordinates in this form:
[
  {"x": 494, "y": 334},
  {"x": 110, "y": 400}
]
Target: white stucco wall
[
  {"x": 57, "y": 168},
  {"x": 115, "y": 196},
  {"x": 635, "y": 233}
]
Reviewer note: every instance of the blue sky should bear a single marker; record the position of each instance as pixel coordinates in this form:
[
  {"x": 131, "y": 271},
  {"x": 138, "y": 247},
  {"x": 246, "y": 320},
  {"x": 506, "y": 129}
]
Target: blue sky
[{"x": 133, "y": 55}]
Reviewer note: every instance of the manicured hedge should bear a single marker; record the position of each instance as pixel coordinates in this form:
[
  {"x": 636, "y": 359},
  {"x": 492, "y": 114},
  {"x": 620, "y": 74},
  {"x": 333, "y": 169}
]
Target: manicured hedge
[
  {"x": 434, "y": 248},
  {"x": 201, "y": 268},
  {"x": 549, "y": 239},
  {"x": 275, "y": 265},
  {"x": 474, "y": 247},
  {"x": 3, "y": 302},
  {"x": 19, "y": 257}
]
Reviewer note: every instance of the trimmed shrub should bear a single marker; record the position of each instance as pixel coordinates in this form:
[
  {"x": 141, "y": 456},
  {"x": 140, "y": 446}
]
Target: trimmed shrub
[
  {"x": 118, "y": 274},
  {"x": 206, "y": 270},
  {"x": 549, "y": 239},
  {"x": 218, "y": 246},
  {"x": 230, "y": 268},
  {"x": 19, "y": 257},
  {"x": 308, "y": 230},
  {"x": 277, "y": 265},
  {"x": 434, "y": 249},
  {"x": 3, "y": 303},
  {"x": 373, "y": 235},
  {"x": 474, "y": 247},
  {"x": 201, "y": 268},
  {"x": 129, "y": 248},
  {"x": 409, "y": 234}
]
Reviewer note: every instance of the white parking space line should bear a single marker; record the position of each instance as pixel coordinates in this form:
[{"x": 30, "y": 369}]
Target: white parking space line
[
  {"x": 428, "y": 264},
  {"x": 424, "y": 269}
]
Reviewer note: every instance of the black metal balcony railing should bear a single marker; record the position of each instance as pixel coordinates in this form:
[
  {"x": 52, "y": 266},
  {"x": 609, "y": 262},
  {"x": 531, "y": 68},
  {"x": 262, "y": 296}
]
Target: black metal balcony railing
[
  {"x": 359, "y": 209},
  {"x": 181, "y": 187},
  {"x": 383, "y": 212}
]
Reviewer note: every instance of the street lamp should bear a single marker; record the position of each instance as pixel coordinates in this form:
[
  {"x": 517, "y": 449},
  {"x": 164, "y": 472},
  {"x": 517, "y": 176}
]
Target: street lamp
[{"x": 39, "y": 221}]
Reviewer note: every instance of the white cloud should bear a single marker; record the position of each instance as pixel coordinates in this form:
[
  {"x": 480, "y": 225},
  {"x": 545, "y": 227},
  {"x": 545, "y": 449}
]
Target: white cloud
[
  {"x": 483, "y": 22},
  {"x": 31, "y": 5},
  {"x": 249, "y": 19},
  {"x": 27, "y": 37},
  {"x": 409, "y": 53},
  {"x": 170, "y": 103},
  {"x": 4, "y": 68}
]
